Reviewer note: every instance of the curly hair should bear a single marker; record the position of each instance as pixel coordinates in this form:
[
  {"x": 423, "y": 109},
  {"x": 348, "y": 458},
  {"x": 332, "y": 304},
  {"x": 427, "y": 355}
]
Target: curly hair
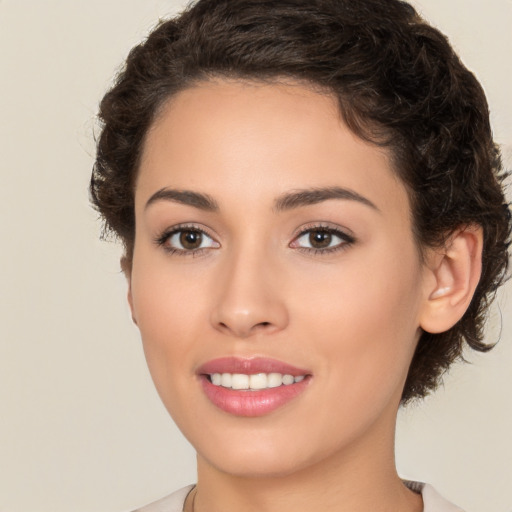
[{"x": 398, "y": 84}]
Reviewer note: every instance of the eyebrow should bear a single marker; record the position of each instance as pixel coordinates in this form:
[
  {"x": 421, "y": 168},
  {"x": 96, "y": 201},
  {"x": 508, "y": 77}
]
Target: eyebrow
[
  {"x": 186, "y": 197},
  {"x": 288, "y": 201},
  {"x": 312, "y": 196}
]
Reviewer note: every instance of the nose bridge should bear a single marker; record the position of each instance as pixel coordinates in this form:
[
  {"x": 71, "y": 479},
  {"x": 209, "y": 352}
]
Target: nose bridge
[{"x": 249, "y": 297}]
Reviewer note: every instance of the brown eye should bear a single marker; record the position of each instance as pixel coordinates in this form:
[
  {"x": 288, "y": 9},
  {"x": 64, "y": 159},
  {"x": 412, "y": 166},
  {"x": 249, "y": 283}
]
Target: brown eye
[
  {"x": 320, "y": 239},
  {"x": 191, "y": 240},
  {"x": 187, "y": 240}
]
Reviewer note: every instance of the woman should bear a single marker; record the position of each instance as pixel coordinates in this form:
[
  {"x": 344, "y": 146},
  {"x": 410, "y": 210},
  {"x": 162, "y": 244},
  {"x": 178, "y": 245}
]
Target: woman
[{"x": 310, "y": 203}]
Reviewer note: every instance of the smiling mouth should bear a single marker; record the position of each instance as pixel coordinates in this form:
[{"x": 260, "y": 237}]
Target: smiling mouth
[
  {"x": 252, "y": 387},
  {"x": 253, "y": 382}
]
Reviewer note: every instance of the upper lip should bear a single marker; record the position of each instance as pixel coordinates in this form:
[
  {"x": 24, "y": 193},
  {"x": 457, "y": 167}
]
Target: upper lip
[{"x": 249, "y": 366}]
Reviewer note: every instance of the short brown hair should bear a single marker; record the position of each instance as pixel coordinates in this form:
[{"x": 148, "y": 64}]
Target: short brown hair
[{"x": 399, "y": 84}]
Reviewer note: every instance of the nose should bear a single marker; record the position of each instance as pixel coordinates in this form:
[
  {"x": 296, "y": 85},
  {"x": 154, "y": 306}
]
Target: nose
[{"x": 250, "y": 298}]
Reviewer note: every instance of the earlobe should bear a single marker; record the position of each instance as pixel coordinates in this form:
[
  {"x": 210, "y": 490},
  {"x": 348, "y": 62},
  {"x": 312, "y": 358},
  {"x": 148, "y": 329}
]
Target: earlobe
[
  {"x": 130, "y": 302},
  {"x": 126, "y": 267},
  {"x": 456, "y": 272}
]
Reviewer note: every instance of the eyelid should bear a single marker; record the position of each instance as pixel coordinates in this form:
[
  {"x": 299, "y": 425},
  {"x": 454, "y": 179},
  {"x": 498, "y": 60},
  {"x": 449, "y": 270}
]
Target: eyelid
[
  {"x": 324, "y": 225},
  {"x": 162, "y": 238},
  {"x": 345, "y": 234}
]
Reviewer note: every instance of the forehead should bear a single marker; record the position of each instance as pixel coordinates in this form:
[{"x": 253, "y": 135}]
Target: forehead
[{"x": 255, "y": 140}]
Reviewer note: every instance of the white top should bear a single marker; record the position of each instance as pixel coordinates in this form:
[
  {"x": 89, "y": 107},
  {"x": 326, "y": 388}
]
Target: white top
[{"x": 432, "y": 501}]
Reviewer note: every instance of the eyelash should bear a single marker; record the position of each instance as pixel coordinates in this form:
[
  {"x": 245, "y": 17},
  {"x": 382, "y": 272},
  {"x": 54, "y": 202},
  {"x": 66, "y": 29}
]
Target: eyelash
[
  {"x": 347, "y": 240},
  {"x": 164, "y": 238}
]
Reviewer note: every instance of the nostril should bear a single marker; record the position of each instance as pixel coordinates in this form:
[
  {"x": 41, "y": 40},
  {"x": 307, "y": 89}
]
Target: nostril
[{"x": 246, "y": 330}]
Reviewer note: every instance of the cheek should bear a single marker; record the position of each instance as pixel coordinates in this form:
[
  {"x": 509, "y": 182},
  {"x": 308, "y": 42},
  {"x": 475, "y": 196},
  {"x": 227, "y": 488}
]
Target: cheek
[
  {"x": 169, "y": 314},
  {"x": 364, "y": 317},
  {"x": 167, "y": 299}
]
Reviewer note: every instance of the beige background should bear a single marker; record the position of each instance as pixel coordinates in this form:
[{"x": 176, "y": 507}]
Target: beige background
[{"x": 81, "y": 428}]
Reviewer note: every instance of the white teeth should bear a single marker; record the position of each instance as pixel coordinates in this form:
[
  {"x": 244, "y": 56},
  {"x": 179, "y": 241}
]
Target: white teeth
[
  {"x": 288, "y": 379},
  {"x": 239, "y": 381},
  {"x": 258, "y": 381},
  {"x": 226, "y": 380},
  {"x": 275, "y": 380},
  {"x": 255, "y": 381}
]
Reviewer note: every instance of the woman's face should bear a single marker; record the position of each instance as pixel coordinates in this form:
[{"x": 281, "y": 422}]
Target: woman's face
[{"x": 271, "y": 241}]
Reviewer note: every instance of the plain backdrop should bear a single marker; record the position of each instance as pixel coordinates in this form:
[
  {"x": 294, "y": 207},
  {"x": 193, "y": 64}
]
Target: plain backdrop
[{"x": 81, "y": 428}]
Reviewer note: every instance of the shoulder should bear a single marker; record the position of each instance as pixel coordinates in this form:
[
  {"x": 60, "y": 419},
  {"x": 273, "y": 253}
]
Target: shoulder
[
  {"x": 172, "y": 503},
  {"x": 432, "y": 500}
]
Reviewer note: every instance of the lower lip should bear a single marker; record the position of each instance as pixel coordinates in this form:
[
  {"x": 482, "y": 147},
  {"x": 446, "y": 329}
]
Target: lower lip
[{"x": 252, "y": 403}]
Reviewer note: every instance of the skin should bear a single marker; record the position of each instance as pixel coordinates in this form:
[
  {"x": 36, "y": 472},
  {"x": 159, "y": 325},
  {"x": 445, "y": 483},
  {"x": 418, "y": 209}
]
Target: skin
[{"x": 351, "y": 317}]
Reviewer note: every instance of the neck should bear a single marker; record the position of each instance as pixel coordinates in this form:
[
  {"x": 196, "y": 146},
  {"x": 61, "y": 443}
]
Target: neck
[{"x": 362, "y": 477}]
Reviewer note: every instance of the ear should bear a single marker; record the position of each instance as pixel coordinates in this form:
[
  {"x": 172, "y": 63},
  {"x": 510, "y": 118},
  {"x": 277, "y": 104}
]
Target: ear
[
  {"x": 454, "y": 275},
  {"x": 126, "y": 267}
]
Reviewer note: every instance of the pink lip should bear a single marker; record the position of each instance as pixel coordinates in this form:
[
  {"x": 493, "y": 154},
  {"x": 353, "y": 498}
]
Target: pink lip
[
  {"x": 245, "y": 402},
  {"x": 250, "y": 366}
]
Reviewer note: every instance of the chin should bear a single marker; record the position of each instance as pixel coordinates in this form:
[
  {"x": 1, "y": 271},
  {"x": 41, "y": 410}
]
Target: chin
[
  {"x": 259, "y": 454},
  {"x": 272, "y": 465}
]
